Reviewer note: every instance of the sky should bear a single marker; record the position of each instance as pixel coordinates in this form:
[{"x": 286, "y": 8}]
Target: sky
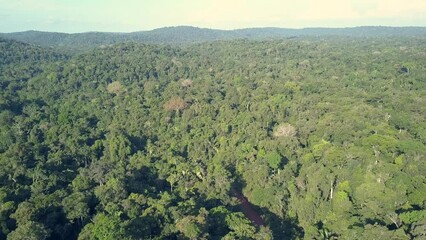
[{"x": 137, "y": 15}]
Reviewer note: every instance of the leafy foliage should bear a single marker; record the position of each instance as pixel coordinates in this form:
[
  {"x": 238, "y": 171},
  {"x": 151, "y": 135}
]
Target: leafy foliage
[{"x": 324, "y": 136}]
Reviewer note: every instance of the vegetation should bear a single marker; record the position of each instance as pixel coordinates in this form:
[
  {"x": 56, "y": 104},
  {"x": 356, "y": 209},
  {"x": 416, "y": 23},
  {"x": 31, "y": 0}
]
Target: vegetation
[
  {"x": 324, "y": 137},
  {"x": 187, "y": 34}
]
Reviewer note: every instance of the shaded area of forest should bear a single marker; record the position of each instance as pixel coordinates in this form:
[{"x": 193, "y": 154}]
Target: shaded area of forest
[{"x": 325, "y": 137}]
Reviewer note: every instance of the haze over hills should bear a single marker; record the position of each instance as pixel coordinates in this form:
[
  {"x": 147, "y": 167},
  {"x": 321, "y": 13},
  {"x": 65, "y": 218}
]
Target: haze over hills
[{"x": 189, "y": 34}]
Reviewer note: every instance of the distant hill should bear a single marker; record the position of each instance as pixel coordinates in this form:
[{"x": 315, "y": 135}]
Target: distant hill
[
  {"x": 13, "y": 53},
  {"x": 188, "y": 34}
]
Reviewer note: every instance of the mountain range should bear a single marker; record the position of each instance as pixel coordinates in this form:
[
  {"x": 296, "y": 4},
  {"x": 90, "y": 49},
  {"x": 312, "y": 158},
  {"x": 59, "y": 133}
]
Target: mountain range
[{"x": 189, "y": 34}]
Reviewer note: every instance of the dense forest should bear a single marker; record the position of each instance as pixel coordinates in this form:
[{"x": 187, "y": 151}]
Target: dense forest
[
  {"x": 301, "y": 138},
  {"x": 187, "y": 34}
]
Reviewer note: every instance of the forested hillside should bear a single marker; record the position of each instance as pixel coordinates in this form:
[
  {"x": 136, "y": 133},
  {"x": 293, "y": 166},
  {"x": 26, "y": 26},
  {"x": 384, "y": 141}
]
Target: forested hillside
[
  {"x": 324, "y": 137},
  {"x": 182, "y": 35}
]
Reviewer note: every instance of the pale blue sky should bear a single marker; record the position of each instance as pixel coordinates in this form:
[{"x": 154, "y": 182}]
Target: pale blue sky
[{"x": 137, "y": 15}]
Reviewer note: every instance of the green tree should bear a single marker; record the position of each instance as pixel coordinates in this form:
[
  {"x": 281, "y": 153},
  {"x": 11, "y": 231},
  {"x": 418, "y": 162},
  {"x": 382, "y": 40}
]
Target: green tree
[{"x": 29, "y": 231}]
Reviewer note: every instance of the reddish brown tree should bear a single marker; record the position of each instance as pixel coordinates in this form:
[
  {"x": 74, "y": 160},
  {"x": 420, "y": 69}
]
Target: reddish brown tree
[{"x": 175, "y": 104}]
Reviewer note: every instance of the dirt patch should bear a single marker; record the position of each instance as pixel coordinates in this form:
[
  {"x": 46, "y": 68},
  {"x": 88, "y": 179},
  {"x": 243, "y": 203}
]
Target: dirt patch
[{"x": 249, "y": 211}]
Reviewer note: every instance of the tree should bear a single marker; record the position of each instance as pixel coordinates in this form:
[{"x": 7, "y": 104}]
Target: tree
[
  {"x": 29, "y": 231},
  {"x": 175, "y": 104},
  {"x": 274, "y": 159},
  {"x": 115, "y": 88},
  {"x": 134, "y": 141},
  {"x": 76, "y": 206},
  {"x": 241, "y": 227},
  {"x": 189, "y": 227},
  {"x": 105, "y": 227},
  {"x": 285, "y": 130}
]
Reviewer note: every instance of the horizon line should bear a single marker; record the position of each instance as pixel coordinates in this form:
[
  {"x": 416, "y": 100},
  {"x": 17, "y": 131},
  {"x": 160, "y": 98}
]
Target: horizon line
[{"x": 217, "y": 29}]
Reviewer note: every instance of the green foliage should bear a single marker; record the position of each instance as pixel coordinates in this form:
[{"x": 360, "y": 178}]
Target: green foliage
[
  {"x": 274, "y": 159},
  {"x": 324, "y": 137},
  {"x": 319, "y": 148},
  {"x": 372, "y": 231},
  {"x": 241, "y": 227},
  {"x": 192, "y": 227},
  {"x": 76, "y": 206},
  {"x": 31, "y": 231},
  {"x": 413, "y": 216},
  {"x": 384, "y": 144}
]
